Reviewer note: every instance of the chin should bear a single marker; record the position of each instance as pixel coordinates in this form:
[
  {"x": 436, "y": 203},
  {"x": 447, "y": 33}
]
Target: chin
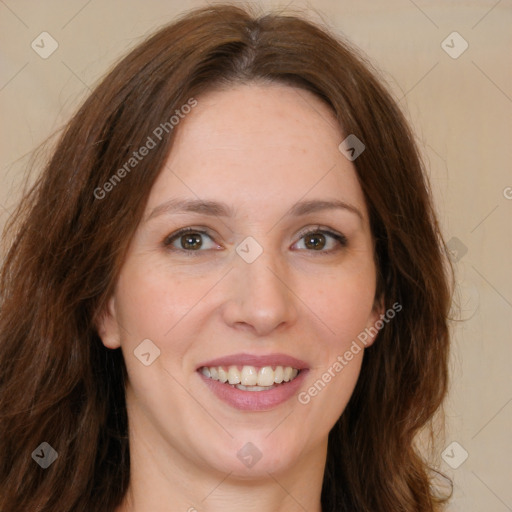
[{"x": 255, "y": 455}]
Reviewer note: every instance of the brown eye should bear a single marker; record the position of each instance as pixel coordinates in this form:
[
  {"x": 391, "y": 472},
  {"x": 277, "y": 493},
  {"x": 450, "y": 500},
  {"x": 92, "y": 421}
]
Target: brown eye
[
  {"x": 322, "y": 241},
  {"x": 191, "y": 241},
  {"x": 187, "y": 240},
  {"x": 315, "y": 241}
]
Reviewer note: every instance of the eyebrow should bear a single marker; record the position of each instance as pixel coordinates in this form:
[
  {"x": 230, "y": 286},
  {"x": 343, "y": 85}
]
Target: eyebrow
[{"x": 219, "y": 209}]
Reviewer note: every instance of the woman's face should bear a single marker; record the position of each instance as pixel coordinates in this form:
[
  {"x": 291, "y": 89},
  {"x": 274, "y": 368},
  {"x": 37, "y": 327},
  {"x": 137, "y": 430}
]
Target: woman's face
[{"x": 272, "y": 278}]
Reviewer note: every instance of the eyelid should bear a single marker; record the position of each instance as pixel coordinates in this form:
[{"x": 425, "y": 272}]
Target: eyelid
[
  {"x": 342, "y": 240},
  {"x": 183, "y": 231},
  {"x": 340, "y": 237}
]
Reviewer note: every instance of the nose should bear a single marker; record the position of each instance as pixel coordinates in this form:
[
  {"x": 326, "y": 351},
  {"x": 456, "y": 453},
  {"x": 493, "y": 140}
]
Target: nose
[{"x": 260, "y": 296}]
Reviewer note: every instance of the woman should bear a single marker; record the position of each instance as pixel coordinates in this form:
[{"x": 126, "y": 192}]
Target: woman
[{"x": 227, "y": 289}]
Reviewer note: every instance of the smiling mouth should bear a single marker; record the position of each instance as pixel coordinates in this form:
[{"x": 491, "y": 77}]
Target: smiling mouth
[{"x": 251, "y": 378}]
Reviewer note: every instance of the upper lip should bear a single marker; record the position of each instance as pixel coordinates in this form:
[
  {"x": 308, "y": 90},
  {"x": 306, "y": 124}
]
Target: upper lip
[{"x": 256, "y": 360}]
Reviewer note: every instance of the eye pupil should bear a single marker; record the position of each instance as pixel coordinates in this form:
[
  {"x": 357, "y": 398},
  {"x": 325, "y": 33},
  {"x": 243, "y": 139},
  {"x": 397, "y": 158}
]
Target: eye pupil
[
  {"x": 191, "y": 241},
  {"x": 312, "y": 241}
]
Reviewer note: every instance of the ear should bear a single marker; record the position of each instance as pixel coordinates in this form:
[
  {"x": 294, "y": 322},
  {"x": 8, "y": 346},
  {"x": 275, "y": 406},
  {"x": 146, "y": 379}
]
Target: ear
[
  {"x": 374, "y": 321},
  {"x": 107, "y": 325}
]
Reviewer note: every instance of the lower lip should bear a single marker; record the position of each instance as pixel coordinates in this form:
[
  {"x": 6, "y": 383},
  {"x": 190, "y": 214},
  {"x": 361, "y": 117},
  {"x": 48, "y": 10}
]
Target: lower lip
[{"x": 255, "y": 400}]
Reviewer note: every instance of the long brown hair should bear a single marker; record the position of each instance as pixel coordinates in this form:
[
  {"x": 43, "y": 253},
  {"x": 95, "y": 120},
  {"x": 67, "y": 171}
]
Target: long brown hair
[{"x": 67, "y": 242}]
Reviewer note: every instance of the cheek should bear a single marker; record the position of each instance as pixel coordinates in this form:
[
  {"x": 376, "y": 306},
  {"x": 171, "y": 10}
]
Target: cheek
[
  {"x": 153, "y": 304},
  {"x": 329, "y": 390},
  {"x": 152, "y": 299},
  {"x": 345, "y": 309},
  {"x": 162, "y": 305},
  {"x": 344, "y": 304}
]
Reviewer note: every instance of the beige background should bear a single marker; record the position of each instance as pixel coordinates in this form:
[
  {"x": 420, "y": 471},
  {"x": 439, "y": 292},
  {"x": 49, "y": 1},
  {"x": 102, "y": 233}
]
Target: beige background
[{"x": 461, "y": 109}]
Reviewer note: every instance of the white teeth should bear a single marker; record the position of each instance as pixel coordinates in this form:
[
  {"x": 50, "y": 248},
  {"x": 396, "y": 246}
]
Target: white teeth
[
  {"x": 253, "y": 388},
  {"x": 257, "y": 379},
  {"x": 249, "y": 376},
  {"x": 223, "y": 376},
  {"x": 266, "y": 376},
  {"x": 233, "y": 375}
]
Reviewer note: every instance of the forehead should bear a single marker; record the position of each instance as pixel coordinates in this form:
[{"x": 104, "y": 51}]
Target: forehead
[{"x": 265, "y": 144}]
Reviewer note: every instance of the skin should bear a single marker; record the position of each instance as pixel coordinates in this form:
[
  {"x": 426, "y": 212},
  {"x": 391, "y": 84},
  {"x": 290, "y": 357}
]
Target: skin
[{"x": 259, "y": 148}]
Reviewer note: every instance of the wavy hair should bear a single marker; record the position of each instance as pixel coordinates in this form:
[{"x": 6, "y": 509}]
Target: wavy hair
[{"x": 65, "y": 246}]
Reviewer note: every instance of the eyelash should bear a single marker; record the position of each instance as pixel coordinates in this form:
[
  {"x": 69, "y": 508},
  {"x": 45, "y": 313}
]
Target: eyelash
[{"x": 341, "y": 239}]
